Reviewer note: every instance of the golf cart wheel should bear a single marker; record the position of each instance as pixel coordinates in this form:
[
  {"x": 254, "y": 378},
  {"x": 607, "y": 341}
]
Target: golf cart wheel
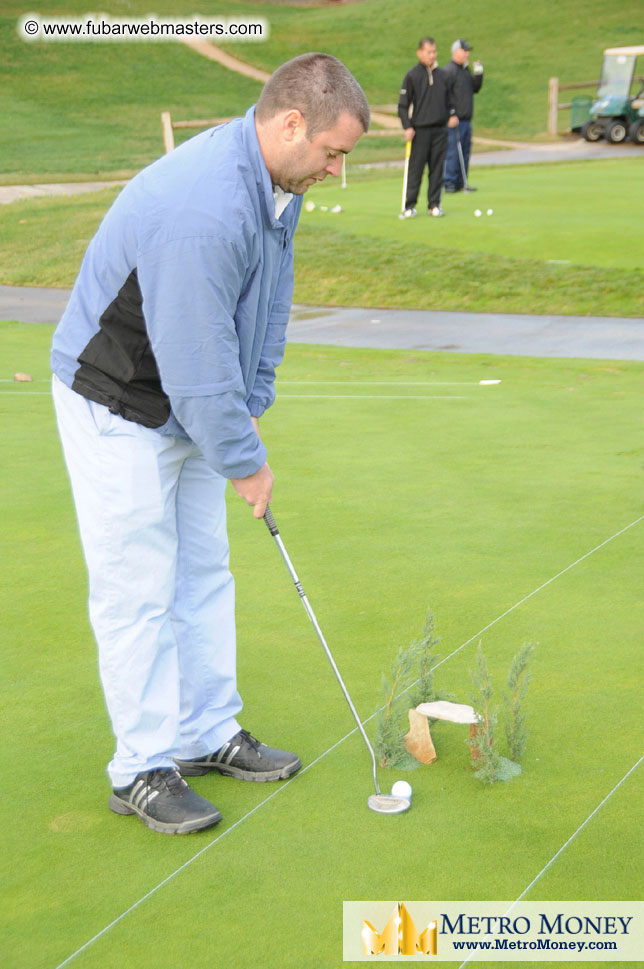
[
  {"x": 617, "y": 131},
  {"x": 636, "y": 132},
  {"x": 592, "y": 130}
]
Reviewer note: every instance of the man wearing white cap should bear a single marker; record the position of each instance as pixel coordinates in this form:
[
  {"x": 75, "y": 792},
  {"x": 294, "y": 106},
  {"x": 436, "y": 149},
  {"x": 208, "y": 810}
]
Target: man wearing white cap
[{"x": 464, "y": 85}]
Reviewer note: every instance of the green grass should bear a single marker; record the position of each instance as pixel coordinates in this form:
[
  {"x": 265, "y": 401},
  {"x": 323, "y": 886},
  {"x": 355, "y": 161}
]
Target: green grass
[
  {"x": 37, "y": 250},
  {"x": 95, "y": 107},
  {"x": 583, "y": 212},
  {"x": 563, "y": 239},
  {"x": 467, "y": 503},
  {"x": 364, "y": 272},
  {"x": 547, "y": 249}
]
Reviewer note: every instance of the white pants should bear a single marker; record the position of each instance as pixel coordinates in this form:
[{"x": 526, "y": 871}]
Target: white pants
[{"x": 152, "y": 519}]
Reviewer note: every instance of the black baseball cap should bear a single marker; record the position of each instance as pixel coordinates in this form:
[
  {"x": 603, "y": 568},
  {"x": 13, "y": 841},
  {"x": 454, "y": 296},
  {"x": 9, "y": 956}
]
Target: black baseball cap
[{"x": 461, "y": 44}]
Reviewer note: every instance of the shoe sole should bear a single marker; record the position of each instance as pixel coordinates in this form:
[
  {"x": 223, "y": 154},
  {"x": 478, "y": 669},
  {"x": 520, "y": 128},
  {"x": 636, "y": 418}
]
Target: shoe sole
[
  {"x": 188, "y": 769},
  {"x": 183, "y": 827}
]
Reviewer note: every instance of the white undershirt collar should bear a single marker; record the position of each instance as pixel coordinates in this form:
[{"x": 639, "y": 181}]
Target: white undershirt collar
[{"x": 281, "y": 199}]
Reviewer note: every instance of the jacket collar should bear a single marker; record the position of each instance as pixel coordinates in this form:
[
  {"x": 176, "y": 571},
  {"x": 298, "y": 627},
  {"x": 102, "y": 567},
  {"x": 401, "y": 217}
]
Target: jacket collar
[{"x": 262, "y": 178}]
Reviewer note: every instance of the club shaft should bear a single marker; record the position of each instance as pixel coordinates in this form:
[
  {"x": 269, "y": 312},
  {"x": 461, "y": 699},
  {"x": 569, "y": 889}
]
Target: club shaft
[
  {"x": 459, "y": 149},
  {"x": 405, "y": 175},
  {"x": 309, "y": 611}
]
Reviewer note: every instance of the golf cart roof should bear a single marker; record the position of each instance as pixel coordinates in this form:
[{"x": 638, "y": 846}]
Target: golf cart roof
[{"x": 628, "y": 51}]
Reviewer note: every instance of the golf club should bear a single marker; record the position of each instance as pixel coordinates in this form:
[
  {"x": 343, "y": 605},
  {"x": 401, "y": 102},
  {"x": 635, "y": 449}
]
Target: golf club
[
  {"x": 378, "y": 802},
  {"x": 459, "y": 149},
  {"x": 405, "y": 177}
]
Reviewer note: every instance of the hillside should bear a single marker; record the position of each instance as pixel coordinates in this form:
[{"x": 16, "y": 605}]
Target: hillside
[{"x": 94, "y": 108}]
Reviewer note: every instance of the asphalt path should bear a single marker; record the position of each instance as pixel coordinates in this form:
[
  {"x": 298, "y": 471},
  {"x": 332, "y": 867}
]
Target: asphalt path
[
  {"x": 603, "y": 338},
  {"x": 514, "y": 153}
]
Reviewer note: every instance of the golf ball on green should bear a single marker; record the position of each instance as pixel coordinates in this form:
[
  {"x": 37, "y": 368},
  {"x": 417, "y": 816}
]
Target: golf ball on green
[
  {"x": 477, "y": 212},
  {"x": 490, "y": 211},
  {"x": 401, "y": 789},
  {"x": 309, "y": 206}
]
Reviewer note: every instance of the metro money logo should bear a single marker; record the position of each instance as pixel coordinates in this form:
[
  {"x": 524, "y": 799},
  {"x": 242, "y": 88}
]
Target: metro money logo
[{"x": 399, "y": 936}]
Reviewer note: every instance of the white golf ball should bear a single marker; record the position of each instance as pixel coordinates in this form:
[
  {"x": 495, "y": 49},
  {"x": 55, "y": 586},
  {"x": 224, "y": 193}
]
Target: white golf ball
[
  {"x": 477, "y": 212},
  {"x": 309, "y": 206},
  {"x": 401, "y": 789},
  {"x": 336, "y": 208},
  {"x": 490, "y": 211}
]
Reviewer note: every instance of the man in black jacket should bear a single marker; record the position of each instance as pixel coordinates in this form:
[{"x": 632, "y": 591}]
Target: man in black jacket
[
  {"x": 463, "y": 85},
  {"x": 425, "y": 109}
]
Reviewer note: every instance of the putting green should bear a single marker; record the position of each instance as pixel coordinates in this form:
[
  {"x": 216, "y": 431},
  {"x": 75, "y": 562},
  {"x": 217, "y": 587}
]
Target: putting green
[
  {"x": 573, "y": 212},
  {"x": 513, "y": 510}
]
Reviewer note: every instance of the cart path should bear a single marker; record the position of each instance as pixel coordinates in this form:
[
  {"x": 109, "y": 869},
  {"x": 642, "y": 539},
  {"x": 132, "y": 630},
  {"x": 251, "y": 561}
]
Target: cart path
[
  {"x": 17, "y": 193},
  {"x": 603, "y": 338},
  {"x": 518, "y": 154},
  {"x": 207, "y": 49}
]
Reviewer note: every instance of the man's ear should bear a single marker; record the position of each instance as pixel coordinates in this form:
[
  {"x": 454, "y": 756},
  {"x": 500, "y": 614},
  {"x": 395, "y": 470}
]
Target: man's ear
[{"x": 293, "y": 125}]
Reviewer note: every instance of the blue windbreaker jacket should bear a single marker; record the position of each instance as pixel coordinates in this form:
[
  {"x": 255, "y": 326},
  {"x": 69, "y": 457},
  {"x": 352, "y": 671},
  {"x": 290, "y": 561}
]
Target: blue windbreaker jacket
[{"x": 178, "y": 317}]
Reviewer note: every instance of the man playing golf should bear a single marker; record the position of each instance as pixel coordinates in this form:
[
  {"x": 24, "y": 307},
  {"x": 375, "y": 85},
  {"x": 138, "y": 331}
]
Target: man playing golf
[{"x": 163, "y": 362}]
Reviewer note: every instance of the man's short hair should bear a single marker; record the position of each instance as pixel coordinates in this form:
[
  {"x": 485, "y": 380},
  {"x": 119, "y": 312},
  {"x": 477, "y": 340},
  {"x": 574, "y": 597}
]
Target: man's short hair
[
  {"x": 320, "y": 87},
  {"x": 426, "y": 40}
]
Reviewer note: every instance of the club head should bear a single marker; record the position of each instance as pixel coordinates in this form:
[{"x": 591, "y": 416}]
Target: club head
[{"x": 388, "y": 803}]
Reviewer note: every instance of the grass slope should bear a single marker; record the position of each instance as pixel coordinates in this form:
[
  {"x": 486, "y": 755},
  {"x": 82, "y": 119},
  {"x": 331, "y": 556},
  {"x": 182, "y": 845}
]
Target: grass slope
[
  {"x": 94, "y": 107},
  {"x": 467, "y": 501},
  {"x": 563, "y": 240}
]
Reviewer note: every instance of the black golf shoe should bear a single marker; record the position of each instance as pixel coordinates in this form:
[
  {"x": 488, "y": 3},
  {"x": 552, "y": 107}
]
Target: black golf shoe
[
  {"x": 165, "y": 803},
  {"x": 246, "y": 758}
]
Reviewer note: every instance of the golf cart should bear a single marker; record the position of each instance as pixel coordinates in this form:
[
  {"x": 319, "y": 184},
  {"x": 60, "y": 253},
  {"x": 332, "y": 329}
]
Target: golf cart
[{"x": 615, "y": 113}]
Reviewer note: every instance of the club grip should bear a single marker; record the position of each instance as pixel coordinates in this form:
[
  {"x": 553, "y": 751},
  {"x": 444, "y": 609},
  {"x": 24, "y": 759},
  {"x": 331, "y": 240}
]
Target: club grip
[{"x": 270, "y": 522}]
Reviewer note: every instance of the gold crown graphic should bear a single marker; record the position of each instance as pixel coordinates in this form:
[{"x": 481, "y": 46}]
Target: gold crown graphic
[{"x": 399, "y": 936}]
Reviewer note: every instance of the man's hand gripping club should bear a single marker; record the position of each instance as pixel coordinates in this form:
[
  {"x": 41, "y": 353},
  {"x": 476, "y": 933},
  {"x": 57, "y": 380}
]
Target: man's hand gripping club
[{"x": 257, "y": 488}]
